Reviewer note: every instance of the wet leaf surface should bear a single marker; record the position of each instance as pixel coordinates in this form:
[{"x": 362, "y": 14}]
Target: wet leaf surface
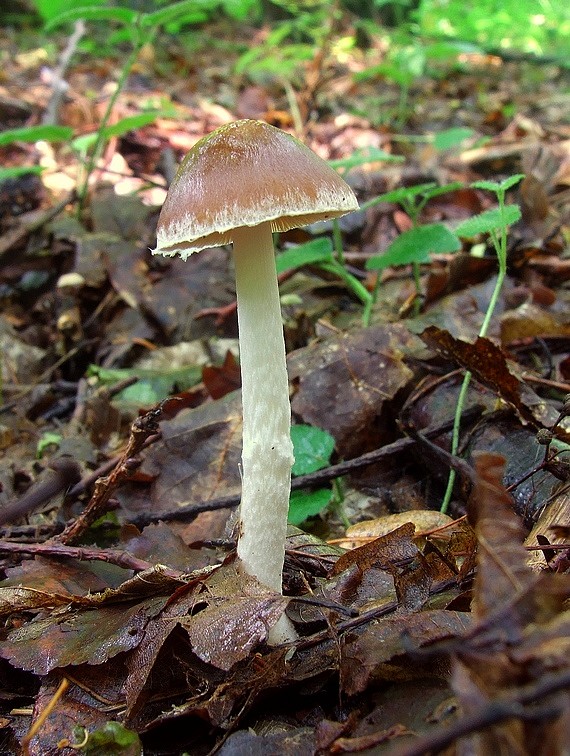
[{"x": 344, "y": 382}]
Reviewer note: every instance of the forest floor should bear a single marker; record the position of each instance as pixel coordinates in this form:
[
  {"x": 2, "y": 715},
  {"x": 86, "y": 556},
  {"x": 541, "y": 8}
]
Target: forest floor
[{"x": 124, "y": 617}]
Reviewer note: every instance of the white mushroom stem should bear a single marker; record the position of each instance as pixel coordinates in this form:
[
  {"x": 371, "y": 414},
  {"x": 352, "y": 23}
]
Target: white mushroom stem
[{"x": 267, "y": 454}]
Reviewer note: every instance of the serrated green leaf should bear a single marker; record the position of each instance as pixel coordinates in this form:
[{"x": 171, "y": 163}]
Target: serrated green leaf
[
  {"x": 399, "y": 195},
  {"x": 312, "y": 252},
  {"x": 511, "y": 181},
  {"x": 415, "y": 246},
  {"x": 305, "y": 504},
  {"x": 436, "y": 191},
  {"x": 90, "y": 13},
  {"x": 35, "y": 134},
  {"x": 498, "y": 187},
  {"x": 312, "y": 448},
  {"x": 488, "y": 221}
]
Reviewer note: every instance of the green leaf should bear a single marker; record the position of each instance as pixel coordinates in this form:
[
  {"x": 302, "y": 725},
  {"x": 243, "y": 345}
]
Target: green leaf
[
  {"x": 129, "y": 123},
  {"x": 47, "y": 439},
  {"x": 82, "y": 143},
  {"x": 415, "y": 246},
  {"x": 364, "y": 157},
  {"x": 49, "y": 9},
  {"x": 436, "y": 191},
  {"x": 399, "y": 195},
  {"x": 19, "y": 170},
  {"x": 305, "y": 504},
  {"x": 92, "y": 13},
  {"x": 239, "y": 9},
  {"x": 36, "y": 134},
  {"x": 490, "y": 220},
  {"x": 312, "y": 448},
  {"x": 187, "y": 11},
  {"x": 312, "y": 252},
  {"x": 449, "y": 49},
  {"x": 112, "y": 739},
  {"x": 449, "y": 138},
  {"x": 152, "y": 385},
  {"x": 498, "y": 187}
]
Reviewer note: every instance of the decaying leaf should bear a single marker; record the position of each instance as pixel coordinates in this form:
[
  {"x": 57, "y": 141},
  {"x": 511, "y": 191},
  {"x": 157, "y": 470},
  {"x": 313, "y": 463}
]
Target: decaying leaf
[
  {"x": 196, "y": 460},
  {"x": 239, "y": 613},
  {"x": 344, "y": 381},
  {"x": 422, "y": 519},
  {"x": 390, "y": 552},
  {"x": 483, "y": 359},
  {"x": 381, "y": 651},
  {"x": 520, "y": 637},
  {"x": 70, "y": 637}
]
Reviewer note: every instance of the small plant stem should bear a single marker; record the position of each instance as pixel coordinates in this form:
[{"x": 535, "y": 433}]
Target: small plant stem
[
  {"x": 500, "y": 245},
  {"x": 337, "y": 240},
  {"x": 138, "y": 43},
  {"x": 351, "y": 282},
  {"x": 416, "y": 272},
  {"x": 455, "y": 439},
  {"x": 403, "y": 105},
  {"x": 294, "y": 108},
  {"x": 338, "y": 502},
  {"x": 367, "y": 314}
]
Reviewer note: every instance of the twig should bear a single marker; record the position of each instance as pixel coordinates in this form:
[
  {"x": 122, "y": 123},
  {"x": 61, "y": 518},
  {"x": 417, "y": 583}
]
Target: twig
[
  {"x": 141, "y": 430},
  {"x": 312, "y": 479},
  {"x": 89, "y": 480},
  {"x": 63, "y": 472},
  {"x": 507, "y": 707},
  {"x": 84, "y": 554},
  {"x": 59, "y": 85},
  {"x": 37, "y": 725},
  {"x": 14, "y": 237}
]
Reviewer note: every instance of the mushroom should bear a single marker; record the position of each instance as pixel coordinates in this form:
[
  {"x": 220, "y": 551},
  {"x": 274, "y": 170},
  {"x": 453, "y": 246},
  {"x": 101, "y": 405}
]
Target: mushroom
[{"x": 239, "y": 184}]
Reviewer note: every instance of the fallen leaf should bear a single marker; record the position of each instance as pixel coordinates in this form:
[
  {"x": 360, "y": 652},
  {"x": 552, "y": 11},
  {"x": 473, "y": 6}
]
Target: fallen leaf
[{"x": 238, "y": 615}]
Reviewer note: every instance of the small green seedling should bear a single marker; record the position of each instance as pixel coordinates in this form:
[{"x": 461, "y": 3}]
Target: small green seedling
[
  {"x": 496, "y": 223},
  {"x": 417, "y": 244},
  {"x": 151, "y": 387},
  {"x": 312, "y": 448},
  {"x": 320, "y": 252}
]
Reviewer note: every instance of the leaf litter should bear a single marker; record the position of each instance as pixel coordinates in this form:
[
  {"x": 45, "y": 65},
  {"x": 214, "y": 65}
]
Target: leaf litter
[{"x": 139, "y": 605}]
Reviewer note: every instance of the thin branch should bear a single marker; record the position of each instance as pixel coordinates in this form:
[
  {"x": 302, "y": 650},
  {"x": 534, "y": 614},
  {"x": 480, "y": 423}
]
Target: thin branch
[
  {"x": 492, "y": 713},
  {"x": 85, "y": 554},
  {"x": 311, "y": 480}
]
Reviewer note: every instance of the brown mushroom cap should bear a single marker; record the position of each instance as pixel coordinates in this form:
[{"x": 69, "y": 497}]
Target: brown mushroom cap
[{"x": 244, "y": 174}]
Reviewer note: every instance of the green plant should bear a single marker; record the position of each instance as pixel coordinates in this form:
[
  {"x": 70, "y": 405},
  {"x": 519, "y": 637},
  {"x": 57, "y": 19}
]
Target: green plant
[
  {"x": 495, "y": 223},
  {"x": 312, "y": 449},
  {"x": 409, "y": 58},
  {"x": 539, "y": 28},
  {"x": 139, "y": 29},
  {"x": 320, "y": 252},
  {"x": 415, "y": 245},
  {"x": 30, "y": 134}
]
